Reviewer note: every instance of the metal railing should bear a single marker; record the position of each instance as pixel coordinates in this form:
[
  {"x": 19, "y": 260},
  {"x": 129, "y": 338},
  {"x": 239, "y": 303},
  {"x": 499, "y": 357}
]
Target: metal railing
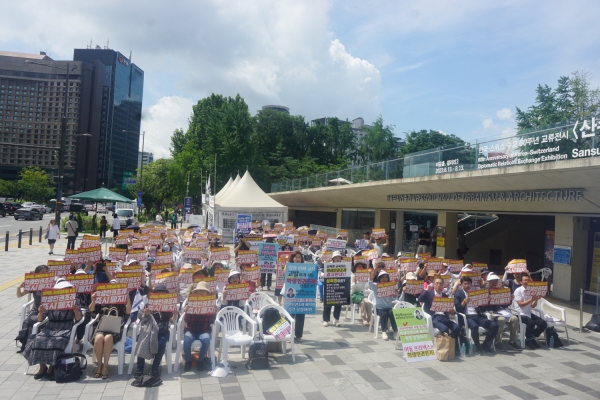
[{"x": 549, "y": 143}]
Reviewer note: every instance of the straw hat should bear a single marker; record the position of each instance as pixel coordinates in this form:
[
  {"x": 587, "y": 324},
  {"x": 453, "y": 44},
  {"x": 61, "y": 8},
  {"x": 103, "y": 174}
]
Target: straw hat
[{"x": 201, "y": 286}]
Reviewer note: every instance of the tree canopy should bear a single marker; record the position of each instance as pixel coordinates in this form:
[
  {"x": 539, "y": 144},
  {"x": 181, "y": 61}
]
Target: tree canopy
[{"x": 428, "y": 139}]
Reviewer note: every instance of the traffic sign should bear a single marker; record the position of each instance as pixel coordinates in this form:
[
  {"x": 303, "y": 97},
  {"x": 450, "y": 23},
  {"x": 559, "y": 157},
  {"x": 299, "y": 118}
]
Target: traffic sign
[
  {"x": 140, "y": 193},
  {"x": 130, "y": 181}
]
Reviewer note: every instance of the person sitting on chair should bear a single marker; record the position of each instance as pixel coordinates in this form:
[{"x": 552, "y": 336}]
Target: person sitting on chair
[
  {"x": 440, "y": 320},
  {"x": 523, "y": 303}
]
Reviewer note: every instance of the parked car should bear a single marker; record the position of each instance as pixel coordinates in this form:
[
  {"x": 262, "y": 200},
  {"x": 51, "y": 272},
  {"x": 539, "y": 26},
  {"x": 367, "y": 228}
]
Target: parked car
[
  {"x": 9, "y": 208},
  {"x": 28, "y": 214},
  {"x": 89, "y": 207},
  {"x": 2, "y": 210},
  {"x": 102, "y": 209}
]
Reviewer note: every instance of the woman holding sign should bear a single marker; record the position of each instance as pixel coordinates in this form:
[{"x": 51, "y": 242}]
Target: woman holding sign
[
  {"x": 31, "y": 319},
  {"x": 51, "y": 342},
  {"x": 337, "y": 310},
  {"x": 383, "y": 304},
  {"x": 362, "y": 285},
  {"x": 296, "y": 257},
  {"x": 104, "y": 341}
]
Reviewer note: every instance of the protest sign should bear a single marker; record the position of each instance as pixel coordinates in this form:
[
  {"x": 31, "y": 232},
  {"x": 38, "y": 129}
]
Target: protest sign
[
  {"x": 538, "y": 289},
  {"x": 58, "y": 299},
  {"x": 371, "y": 254},
  {"x": 72, "y": 256},
  {"x": 251, "y": 274},
  {"x": 201, "y": 305},
  {"x": 267, "y": 257},
  {"x": 378, "y": 233},
  {"x": 414, "y": 287},
  {"x": 222, "y": 275},
  {"x": 117, "y": 254},
  {"x": 110, "y": 266},
  {"x": 500, "y": 297},
  {"x": 256, "y": 224},
  {"x": 201, "y": 243},
  {"x": 479, "y": 298},
  {"x": 186, "y": 276},
  {"x": 163, "y": 302},
  {"x": 475, "y": 276},
  {"x": 361, "y": 244},
  {"x": 415, "y": 336},
  {"x": 343, "y": 233},
  {"x": 137, "y": 254},
  {"x": 83, "y": 283},
  {"x": 517, "y": 267},
  {"x": 236, "y": 291},
  {"x": 434, "y": 264},
  {"x": 194, "y": 253},
  {"x": 59, "y": 267},
  {"x": 478, "y": 266},
  {"x": 423, "y": 255},
  {"x": 289, "y": 224},
  {"x": 121, "y": 240},
  {"x": 248, "y": 257},
  {"x": 128, "y": 232},
  {"x": 90, "y": 241},
  {"x": 408, "y": 264},
  {"x": 210, "y": 280},
  {"x": 219, "y": 254},
  {"x": 132, "y": 279},
  {"x": 362, "y": 275},
  {"x": 282, "y": 258},
  {"x": 163, "y": 257},
  {"x": 393, "y": 273},
  {"x": 138, "y": 244},
  {"x": 442, "y": 304},
  {"x": 455, "y": 265},
  {"x": 326, "y": 256},
  {"x": 280, "y": 329},
  {"x": 301, "y": 284},
  {"x": 335, "y": 244},
  {"x": 387, "y": 289},
  {"x": 37, "y": 282},
  {"x": 336, "y": 283},
  {"x": 285, "y": 239},
  {"x": 169, "y": 279}
]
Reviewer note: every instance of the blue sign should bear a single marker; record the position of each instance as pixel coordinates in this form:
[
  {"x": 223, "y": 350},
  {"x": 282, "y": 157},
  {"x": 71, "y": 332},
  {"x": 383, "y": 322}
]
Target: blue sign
[
  {"x": 140, "y": 193},
  {"x": 244, "y": 223},
  {"x": 300, "y": 290},
  {"x": 267, "y": 257},
  {"x": 187, "y": 205},
  {"x": 130, "y": 181},
  {"x": 139, "y": 201},
  {"x": 562, "y": 254}
]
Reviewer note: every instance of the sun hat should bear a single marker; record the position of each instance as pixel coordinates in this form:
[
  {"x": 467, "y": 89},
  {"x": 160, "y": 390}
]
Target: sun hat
[
  {"x": 62, "y": 283},
  {"x": 201, "y": 286},
  {"x": 381, "y": 273},
  {"x": 336, "y": 254},
  {"x": 232, "y": 274},
  {"x": 492, "y": 277}
]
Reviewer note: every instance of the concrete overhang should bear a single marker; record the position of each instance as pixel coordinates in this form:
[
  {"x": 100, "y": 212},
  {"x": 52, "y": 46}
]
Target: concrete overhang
[{"x": 582, "y": 174}]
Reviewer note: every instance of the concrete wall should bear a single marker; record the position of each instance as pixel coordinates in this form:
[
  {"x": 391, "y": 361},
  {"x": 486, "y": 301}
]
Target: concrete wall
[{"x": 568, "y": 279}]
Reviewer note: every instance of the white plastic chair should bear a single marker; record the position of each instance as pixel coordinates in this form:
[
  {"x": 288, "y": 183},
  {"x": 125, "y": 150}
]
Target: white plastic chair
[
  {"x": 168, "y": 349},
  {"x": 179, "y": 340},
  {"x": 402, "y": 304},
  {"x": 522, "y": 328},
  {"x": 25, "y": 309},
  {"x": 257, "y": 301},
  {"x": 374, "y": 317},
  {"x": 540, "y": 310},
  {"x": 481, "y": 330},
  {"x": 352, "y": 307},
  {"x": 72, "y": 336},
  {"x": 119, "y": 346},
  {"x": 271, "y": 338},
  {"x": 544, "y": 273},
  {"x": 227, "y": 321}
]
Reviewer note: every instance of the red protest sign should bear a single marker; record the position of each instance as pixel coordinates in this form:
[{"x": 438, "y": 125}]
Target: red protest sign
[
  {"x": 387, "y": 289},
  {"x": 83, "y": 283},
  {"x": 455, "y": 265},
  {"x": 117, "y": 254},
  {"x": 132, "y": 279},
  {"x": 538, "y": 289},
  {"x": 222, "y": 275},
  {"x": 169, "y": 279},
  {"x": 362, "y": 275},
  {"x": 60, "y": 268},
  {"x": 165, "y": 257},
  {"x": 500, "y": 297},
  {"x": 442, "y": 304},
  {"x": 236, "y": 291},
  {"x": 479, "y": 298},
  {"x": 517, "y": 267},
  {"x": 111, "y": 293},
  {"x": 219, "y": 254},
  {"x": 139, "y": 255},
  {"x": 414, "y": 287},
  {"x": 58, "y": 299},
  {"x": 163, "y": 302},
  {"x": 194, "y": 253},
  {"x": 247, "y": 257},
  {"x": 186, "y": 275},
  {"x": 37, "y": 282},
  {"x": 408, "y": 264},
  {"x": 201, "y": 305},
  {"x": 251, "y": 274}
]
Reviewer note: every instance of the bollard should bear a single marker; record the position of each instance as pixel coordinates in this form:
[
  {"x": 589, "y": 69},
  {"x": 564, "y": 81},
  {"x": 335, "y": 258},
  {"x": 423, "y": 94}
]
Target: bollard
[
  {"x": 6, "y": 241},
  {"x": 30, "y": 236},
  {"x": 580, "y": 310},
  {"x": 19, "y": 243},
  {"x": 40, "y": 234}
]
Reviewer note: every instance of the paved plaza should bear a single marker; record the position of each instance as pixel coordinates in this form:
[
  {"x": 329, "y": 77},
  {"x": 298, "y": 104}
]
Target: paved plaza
[{"x": 331, "y": 363}]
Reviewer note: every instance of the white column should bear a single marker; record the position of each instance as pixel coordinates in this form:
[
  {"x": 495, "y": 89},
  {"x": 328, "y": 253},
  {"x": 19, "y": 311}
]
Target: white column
[{"x": 568, "y": 279}]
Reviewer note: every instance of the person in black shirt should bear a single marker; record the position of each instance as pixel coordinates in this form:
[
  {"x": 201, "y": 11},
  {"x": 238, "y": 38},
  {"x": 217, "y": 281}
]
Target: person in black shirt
[{"x": 424, "y": 240}]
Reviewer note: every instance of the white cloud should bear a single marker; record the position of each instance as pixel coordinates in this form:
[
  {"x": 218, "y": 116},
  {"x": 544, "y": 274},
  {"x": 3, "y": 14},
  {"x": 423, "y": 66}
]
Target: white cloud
[
  {"x": 504, "y": 114},
  {"x": 488, "y": 124},
  {"x": 160, "y": 120},
  {"x": 410, "y": 67}
]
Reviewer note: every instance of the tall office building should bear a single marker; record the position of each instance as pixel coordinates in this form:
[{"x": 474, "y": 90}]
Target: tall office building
[
  {"x": 145, "y": 158},
  {"x": 122, "y": 93},
  {"x": 32, "y": 100}
]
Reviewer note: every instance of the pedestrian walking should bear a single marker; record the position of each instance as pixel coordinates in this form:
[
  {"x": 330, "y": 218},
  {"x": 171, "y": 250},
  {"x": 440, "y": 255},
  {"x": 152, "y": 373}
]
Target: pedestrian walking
[
  {"x": 52, "y": 234},
  {"x": 72, "y": 232}
]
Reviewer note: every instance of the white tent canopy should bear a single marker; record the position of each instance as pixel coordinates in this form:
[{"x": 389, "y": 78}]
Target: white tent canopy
[
  {"x": 224, "y": 193},
  {"x": 223, "y": 190}
]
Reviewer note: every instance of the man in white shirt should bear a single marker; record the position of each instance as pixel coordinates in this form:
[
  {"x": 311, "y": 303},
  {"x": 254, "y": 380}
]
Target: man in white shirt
[
  {"x": 158, "y": 217},
  {"x": 378, "y": 246},
  {"x": 502, "y": 316},
  {"x": 523, "y": 303},
  {"x": 116, "y": 225}
]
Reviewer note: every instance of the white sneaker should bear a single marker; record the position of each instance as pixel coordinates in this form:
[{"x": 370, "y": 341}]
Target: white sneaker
[
  {"x": 385, "y": 336},
  {"x": 337, "y": 322},
  {"x": 325, "y": 323}
]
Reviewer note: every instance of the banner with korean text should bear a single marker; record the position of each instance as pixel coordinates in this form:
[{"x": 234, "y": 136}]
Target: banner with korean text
[
  {"x": 300, "y": 295},
  {"x": 415, "y": 336}
]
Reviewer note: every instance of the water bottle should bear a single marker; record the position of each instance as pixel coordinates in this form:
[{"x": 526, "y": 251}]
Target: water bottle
[
  {"x": 470, "y": 347},
  {"x": 551, "y": 345},
  {"x": 463, "y": 350}
]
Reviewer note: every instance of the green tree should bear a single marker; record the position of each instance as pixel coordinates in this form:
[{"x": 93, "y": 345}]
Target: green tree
[
  {"x": 35, "y": 184},
  {"x": 379, "y": 142},
  {"x": 157, "y": 188},
  {"x": 428, "y": 139}
]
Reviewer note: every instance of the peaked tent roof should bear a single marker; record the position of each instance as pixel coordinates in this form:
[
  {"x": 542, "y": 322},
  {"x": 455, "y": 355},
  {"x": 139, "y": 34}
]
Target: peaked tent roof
[
  {"x": 225, "y": 195},
  {"x": 102, "y": 195},
  {"x": 223, "y": 190},
  {"x": 247, "y": 194}
]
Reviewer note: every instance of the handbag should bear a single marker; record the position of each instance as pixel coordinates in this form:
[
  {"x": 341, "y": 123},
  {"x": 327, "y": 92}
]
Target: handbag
[
  {"x": 110, "y": 323},
  {"x": 444, "y": 346},
  {"x": 69, "y": 368},
  {"x": 46, "y": 235},
  {"x": 357, "y": 297},
  {"x": 258, "y": 355}
]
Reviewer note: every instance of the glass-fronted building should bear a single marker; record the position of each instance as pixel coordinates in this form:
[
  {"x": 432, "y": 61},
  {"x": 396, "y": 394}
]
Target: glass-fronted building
[{"x": 122, "y": 94}]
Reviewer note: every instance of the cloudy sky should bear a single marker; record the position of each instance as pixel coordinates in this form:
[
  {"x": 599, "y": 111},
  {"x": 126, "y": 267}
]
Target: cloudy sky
[{"x": 456, "y": 66}]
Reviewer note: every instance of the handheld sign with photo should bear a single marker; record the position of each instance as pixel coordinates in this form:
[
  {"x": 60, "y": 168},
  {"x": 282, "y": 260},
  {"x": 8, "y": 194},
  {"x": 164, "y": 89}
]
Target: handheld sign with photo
[
  {"x": 442, "y": 304},
  {"x": 117, "y": 254},
  {"x": 538, "y": 289},
  {"x": 251, "y": 274},
  {"x": 336, "y": 284},
  {"x": 500, "y": 297},
  {"x": 37, "y": 282},
  {"x": 517, "y": 267},
  {"x": 387, "y": 289},
  {"x": 414, "y": 287},
  {"x": 132, "y": 279},
  {"x": 282, "y": 258},
  {"x": 362, "y": 275},
  {"x": 280, "y": 329},
  {"x": 163, "y": 302},
  {"x": 210, "y": 280},
  {"x": 58, "y": 299},
  {"x": 415, "y": 336},
  {"x": 201, "y": 305},
  {"x": 300, "y": 295},
  {"x": 60, "y": 268},
  {"x": 236, "y": 291},
  {"x": 247, "y": 257},
  {"x": 169, "y": 279},
  {"x": 408, "y": 264},
  {"x": 83, "y": 283},
  {"x": 267, "y": 257},
  {"x": 479, "y": 298}
]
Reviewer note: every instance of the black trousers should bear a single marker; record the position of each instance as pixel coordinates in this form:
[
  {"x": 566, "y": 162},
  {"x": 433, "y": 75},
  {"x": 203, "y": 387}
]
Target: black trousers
[
  {"x": 299, "y": 325},
  {"x": 268, "y": 277},
  {"x": 337, "y": 310},
  {"x": 71, "y": 242},
  {"x": 535, "y": 326},
  {"x": 474, "y": 322}
]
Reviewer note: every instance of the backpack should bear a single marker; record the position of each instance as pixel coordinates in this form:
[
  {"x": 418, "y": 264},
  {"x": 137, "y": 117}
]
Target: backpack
[
  {"x": 269, "y": 318},
  {"x": 594, "y": 324},
  {"x": 258, "y": 354},
  {"x": 357, "y": 297},
  {"x": 551, "y": 333},
  {"x": 68, "y": 367}
]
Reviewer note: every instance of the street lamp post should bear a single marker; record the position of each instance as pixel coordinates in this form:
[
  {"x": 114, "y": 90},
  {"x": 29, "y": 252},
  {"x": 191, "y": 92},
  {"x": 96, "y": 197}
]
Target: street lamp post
[{"x": 141, "y": 162}]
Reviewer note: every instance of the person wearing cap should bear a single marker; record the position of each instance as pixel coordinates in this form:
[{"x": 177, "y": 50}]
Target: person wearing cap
[
  {"x": 159, "y": 321},
  {"x": 428, "y": 284},
  {"x": 523, "y": 303},
  {"x": 31, "y": 318},
  {"x": 475, "y": 318},
  {"x": 233, "y": 278},
  {"x": 104, "y": 341},
  {"x": 502, "y": 316},
  {"x": 336, "y": 257},
  {"x": 424, "y": 240},
  {"x": 383, "y": 305},
  {"x": 197, "y": 327},
  {"x": 364, "y": 305},
  {"x": 53, "y": 338}
]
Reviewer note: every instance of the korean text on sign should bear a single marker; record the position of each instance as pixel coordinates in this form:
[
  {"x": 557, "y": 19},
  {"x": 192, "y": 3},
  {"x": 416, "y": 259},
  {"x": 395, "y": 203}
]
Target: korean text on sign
[
  {"x": 201, "y": 305},
  {"x": 237, "y": 291},
  {"x": 479, "y": 298},
  {"x": 58, "y": 299},
  {"x": 538, "y": 289},
  {"x": 442, "y": 304},
  {"x": 60, "y": 268},
  {"x": 251, "y": 274},
  {"x": 83, "y": 283},
  {"x": 163, "y": 302},
  {"x": 38, "y": 282},
  {"x": 132, "y": 279},
  {"x": 387, "y": 289},
  {"x": 111, "y": 293},
  {"x": 414, "y": 287},
  {"x": 500, "y": 297}
]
